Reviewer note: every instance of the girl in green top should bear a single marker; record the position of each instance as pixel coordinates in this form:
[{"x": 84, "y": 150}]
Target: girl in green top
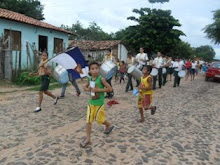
[{"x": 95, "y": 110}]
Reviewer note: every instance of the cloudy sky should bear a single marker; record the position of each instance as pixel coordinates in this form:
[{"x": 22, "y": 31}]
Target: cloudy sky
[{"x": 111, "y": 15}]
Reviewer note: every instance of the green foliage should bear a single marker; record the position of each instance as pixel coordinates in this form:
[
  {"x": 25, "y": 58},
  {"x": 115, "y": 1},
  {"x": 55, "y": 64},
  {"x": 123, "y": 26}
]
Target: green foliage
[
  {"x": 29, "y": 8},
  {"x": 205, "y": 52},
  {"x": 155, "y": 31},
  {"x": 158, "y": 1},
  {"x": 30, "y": 80},
  {"x": 213, "y": 30},
  {"x": 35, "y": 80},
  {"x": 93, "y": 32},
  {"x": 183, "y": 50}
]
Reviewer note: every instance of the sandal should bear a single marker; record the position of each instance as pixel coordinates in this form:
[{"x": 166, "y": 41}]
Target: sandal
[
  {"x": 140, "y": 121},
  {"x": 109, "y": 130},
  {"x": 154, "y": 110},
  {"x": 83, "y": 144}
]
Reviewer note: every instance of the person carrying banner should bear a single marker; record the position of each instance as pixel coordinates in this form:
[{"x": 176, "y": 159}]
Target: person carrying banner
[
  {"x": 44, "y": 72},
  {"x": 95, "y": 109},
  {"x": 74, "y": 62},
  {"x": 74, "y": 83}
]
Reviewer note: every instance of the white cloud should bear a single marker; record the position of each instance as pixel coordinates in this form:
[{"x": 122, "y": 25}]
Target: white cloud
[
  {"x": 112, "y": 15},
  {"x": 217, "y": 51}
]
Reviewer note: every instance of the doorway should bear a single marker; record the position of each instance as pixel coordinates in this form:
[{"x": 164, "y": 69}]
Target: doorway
[{"x": 42, "y": 43}]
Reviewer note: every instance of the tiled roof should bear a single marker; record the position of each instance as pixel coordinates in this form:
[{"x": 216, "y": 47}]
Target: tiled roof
[
  {"x": 10, "y": 15},
  {"x": 95, "y": 45}
]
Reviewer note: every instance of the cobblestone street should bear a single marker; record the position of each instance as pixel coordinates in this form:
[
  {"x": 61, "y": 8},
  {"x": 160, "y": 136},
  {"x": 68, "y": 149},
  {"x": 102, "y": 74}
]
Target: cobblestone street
[{"x": 184, "y": 130}]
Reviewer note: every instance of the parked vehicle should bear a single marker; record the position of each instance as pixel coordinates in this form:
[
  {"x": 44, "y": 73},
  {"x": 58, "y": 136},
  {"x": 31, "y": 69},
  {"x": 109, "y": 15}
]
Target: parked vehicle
[{"x": 213, "y": 71}]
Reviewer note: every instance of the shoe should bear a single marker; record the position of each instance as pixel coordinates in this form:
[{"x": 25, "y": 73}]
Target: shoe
[
  {"x": 154, "y": 110},
  {"x": 83, "y": 144},
  {"x": 37, "y": 109},
  {"x": 174, "y": 86},
  {"x": 61, "y": 97},
  {"x": 55, "y": 100},
  {"x": 78, "y": 93},
  {"x": 109, "y": 130}
]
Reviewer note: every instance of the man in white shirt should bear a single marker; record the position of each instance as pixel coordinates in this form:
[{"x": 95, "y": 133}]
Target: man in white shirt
[
  {"x": 130, "y": 62},
  {"x": 109, "y": 57},
  {"x": 158, "y": 63},
  {"x": 141, "y": 60},
  {"x": 178, "y": 66}
]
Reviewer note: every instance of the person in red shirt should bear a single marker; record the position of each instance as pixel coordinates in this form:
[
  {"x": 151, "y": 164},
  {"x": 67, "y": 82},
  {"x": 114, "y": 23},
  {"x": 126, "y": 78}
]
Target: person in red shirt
[{"x": 188, "y": 66}]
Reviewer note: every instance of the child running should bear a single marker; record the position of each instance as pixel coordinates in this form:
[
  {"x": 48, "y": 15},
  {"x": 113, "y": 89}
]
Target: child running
[
  {"x": 145, "y": 93},
  {"x": 44, "y": 72},
  {"x": 95, "y": 110}
]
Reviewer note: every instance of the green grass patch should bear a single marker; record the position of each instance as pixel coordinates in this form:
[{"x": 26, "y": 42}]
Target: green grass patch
[
  {"x": 30, "y": 80},
  {"x": 51, "y": 87}
]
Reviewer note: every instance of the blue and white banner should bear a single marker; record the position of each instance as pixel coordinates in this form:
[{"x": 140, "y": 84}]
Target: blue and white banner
[{"x": 74, "y": 62}]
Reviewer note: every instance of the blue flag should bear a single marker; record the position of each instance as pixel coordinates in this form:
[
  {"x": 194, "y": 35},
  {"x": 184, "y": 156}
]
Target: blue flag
[{"x": 74, "y": 62}]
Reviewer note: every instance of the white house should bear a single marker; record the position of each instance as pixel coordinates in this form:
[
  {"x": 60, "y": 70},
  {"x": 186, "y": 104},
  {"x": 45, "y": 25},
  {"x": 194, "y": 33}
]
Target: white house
[{"x": 97, "y": 48}]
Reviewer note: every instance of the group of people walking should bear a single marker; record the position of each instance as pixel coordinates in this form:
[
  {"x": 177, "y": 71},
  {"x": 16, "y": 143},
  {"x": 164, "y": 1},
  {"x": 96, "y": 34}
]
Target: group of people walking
[
  {"x": 167, "y": 68},
  {"x": 146, "y": 84}
]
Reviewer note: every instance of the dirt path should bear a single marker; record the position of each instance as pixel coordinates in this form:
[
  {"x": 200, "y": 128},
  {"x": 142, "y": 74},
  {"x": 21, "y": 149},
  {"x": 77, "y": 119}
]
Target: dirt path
[{"x": 185, "y": 129}]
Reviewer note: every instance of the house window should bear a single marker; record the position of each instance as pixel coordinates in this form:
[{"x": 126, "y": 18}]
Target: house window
[
  {"x": 42, "y": 43},
  {"x": 15, "y": 39},
  {"x": 58, "y": 45}
]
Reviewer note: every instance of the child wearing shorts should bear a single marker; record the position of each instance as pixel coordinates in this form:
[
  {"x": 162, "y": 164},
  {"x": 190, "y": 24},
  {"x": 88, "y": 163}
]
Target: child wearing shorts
[
  {"x": 44, "y": 72},
  {"x": 145, "y": 93},
  {"x": 95, "y": 109}
]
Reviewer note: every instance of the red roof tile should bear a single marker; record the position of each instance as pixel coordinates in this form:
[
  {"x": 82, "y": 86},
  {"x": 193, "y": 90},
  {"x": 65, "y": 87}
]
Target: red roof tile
[
  {"x": 95, "y": 45},
  {"x": 10, "y": 15}
]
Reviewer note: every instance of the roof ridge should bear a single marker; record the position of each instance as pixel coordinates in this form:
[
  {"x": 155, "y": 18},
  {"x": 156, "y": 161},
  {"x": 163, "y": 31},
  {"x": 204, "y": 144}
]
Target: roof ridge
[{"x": 11, "y": 15}]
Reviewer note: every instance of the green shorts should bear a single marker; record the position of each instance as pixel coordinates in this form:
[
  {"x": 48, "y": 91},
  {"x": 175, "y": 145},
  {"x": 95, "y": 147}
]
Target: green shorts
[{"x": 45, "y": 81}]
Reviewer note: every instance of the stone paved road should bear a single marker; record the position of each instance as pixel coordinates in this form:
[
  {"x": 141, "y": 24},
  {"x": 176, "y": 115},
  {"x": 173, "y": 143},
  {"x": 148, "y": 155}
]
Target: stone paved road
[{"x": 185, "y": 129}]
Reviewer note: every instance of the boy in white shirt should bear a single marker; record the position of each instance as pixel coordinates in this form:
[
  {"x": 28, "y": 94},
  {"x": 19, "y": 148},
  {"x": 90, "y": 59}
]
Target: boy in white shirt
[
  {"x": 177, "y": 65},
  {"x": 159, "y": 64}
]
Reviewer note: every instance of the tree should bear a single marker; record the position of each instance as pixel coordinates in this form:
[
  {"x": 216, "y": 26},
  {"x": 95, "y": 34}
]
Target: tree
[
  {"x": 76, "y": 28},
  {"x": 213, "y": 30},
  {"x": 155, "y": 30},
  {"x": 183, "y": 50},
  {"x": 93, "y": 32},
  {"x": 205, "y": 52},
  {"x": 29, "y": 8}
]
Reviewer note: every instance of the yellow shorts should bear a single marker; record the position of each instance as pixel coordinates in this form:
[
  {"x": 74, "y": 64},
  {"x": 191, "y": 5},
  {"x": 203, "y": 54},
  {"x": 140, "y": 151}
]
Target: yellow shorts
[{"x": 95, "y": 113}]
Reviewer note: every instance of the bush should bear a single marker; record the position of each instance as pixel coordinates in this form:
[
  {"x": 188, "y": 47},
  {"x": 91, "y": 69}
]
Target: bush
[{"x": 30, "y": 80}]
